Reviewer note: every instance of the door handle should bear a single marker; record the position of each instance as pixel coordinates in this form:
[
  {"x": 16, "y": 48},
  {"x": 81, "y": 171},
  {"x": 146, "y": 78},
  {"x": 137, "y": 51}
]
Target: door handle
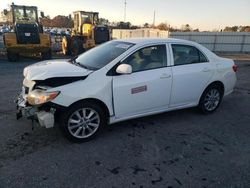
[
  {"x": 206, "y": 70},
  {"x": 165, "y": 76}
]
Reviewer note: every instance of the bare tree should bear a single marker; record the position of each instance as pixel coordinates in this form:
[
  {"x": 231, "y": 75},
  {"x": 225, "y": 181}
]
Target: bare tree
[{"x": 186, "y": 28}]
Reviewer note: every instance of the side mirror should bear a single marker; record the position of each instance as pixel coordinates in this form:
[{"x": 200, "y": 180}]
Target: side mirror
[
  {"x": 124, "y": 69},
  {"x": 5, "y": 12}
]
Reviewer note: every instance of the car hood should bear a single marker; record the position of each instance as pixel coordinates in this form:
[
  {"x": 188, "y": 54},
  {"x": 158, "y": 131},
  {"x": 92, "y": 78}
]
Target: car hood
[{"x": 54, "y": 68}]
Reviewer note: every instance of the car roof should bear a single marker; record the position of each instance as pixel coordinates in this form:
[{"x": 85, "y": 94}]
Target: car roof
[
  {"x": 143, "y": 41},
  {"x": 148, "y": 41}
]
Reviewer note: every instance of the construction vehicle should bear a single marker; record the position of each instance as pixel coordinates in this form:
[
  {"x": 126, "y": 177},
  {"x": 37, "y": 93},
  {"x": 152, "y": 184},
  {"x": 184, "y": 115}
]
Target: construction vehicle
[
  {"x": 28, "y": 36},
  {"x": 86, "y": 33}
]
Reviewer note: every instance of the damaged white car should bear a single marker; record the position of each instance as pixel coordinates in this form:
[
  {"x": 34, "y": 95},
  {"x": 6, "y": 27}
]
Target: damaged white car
[{"x": 121, "y": 80}]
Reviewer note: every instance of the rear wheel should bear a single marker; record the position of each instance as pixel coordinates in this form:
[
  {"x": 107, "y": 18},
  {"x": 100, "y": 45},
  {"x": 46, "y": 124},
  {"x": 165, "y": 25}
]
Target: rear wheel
[
  {"x": 47, "y": 55},
  {"x": 76, "y": 46},
  {"x": 12, "y": 57},
  {"x": 211, "y": 99},
  {"x": 83, "y": 121}
]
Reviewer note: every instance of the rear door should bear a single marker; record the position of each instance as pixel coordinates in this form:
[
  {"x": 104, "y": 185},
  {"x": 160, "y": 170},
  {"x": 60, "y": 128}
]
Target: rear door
[
  {"x": 191, "y": 73},
  {"x": 148, "y": 88}
]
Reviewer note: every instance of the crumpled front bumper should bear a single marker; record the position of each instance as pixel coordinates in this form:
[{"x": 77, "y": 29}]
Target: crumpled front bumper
[
  {"x": 22, "y": 109},
  {"x": 44, "y": 118}
]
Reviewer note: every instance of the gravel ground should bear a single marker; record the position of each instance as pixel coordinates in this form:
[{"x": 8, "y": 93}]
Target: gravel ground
[{"x": 176, "y": 149}]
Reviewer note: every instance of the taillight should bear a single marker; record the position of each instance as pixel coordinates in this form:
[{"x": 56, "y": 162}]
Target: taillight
[{"x": 235, "y": 68}]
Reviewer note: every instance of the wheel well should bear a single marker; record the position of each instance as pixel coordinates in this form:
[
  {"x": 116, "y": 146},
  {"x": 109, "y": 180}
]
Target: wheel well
[
  {"x": 96, "y": 101},
  {"x": 217, "y": 83}
]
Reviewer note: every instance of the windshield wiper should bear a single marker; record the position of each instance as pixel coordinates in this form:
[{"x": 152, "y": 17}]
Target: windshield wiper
[
  {"x": 83, "y": 66},
  {"x": 73, "y": 60}
]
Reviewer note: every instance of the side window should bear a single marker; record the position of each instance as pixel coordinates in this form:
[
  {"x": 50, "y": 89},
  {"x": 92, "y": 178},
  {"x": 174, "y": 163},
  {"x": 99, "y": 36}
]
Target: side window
[
  {"x": 148, "y": 58},
  {"x": 184, "y": 55}
]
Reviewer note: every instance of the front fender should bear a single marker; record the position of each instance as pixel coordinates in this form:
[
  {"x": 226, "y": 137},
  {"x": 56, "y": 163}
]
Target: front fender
[{"x": 94, "y": 86}]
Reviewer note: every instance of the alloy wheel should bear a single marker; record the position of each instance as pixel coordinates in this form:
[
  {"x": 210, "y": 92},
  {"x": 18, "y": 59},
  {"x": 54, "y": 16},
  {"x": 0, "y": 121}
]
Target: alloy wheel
[
  {"x": 212, "y": 99},
  {"x": 83, "y": 123}
]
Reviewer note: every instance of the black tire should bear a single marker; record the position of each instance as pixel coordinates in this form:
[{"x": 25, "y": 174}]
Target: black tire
[
  {"x": 12, "y": 57},
  {"x": 215, "y": 101},
  {"x": 66, "y": 49},
  {"x": 76, "y": 46},
  {"x": 46, "y": 55},
  {"x": 70, "y": 114}
]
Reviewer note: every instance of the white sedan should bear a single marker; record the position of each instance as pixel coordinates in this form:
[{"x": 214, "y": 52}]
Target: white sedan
[{"x": 121, "y": 80}]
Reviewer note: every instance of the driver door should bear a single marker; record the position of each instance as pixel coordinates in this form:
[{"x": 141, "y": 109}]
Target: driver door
[{"x": 148, "y": 87}]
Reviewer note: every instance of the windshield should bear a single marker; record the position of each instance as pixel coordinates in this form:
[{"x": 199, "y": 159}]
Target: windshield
[
  {"x": 100, "y": 56},
  {"x": 31, "y": 14},
  {"x": 28, "y": 13},
  {"x": 19, "y": 13},
  {"x": 89, "y": 17}
]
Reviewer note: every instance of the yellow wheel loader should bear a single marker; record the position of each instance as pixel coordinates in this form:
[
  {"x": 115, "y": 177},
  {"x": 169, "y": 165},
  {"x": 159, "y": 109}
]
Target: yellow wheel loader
[
  {"x": 85, "y": 34},
  {"x": 28, "y": 36}
]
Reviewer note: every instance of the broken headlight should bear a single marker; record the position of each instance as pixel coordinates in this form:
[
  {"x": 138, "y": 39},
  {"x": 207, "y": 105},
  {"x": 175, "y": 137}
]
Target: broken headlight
[{"x": 38, "y": 96}]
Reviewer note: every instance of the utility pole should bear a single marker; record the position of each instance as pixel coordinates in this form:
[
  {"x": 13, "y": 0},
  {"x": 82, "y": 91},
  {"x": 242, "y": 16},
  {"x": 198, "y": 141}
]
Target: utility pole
[
  {"x": 125, "y": 10},
  {"x": 154, "y": 19}
]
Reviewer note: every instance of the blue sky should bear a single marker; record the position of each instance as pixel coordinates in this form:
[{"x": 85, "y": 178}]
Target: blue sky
[{"x": 203, "y": 14}]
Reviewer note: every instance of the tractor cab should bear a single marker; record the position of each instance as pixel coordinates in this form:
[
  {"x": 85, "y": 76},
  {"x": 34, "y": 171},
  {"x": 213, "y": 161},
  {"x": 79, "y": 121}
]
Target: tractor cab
[
  {"x": 27, "y": 13},
  {"x": 84, "y": 21},
  {"x": 26, "y": 25},
  {"x": 86, "y": 33}
]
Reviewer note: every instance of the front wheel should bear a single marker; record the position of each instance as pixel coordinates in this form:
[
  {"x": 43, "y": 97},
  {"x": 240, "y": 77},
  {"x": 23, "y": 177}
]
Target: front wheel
[
  {"x": 12, "y": 57},
  {"x": 211, "y": 99},
  {"x": 76, "y": 46},
  {"x": 82, "y": 121}
]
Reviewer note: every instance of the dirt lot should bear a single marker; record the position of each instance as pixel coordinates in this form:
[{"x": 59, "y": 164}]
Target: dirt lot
[{"x": 177, "y": 149}]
